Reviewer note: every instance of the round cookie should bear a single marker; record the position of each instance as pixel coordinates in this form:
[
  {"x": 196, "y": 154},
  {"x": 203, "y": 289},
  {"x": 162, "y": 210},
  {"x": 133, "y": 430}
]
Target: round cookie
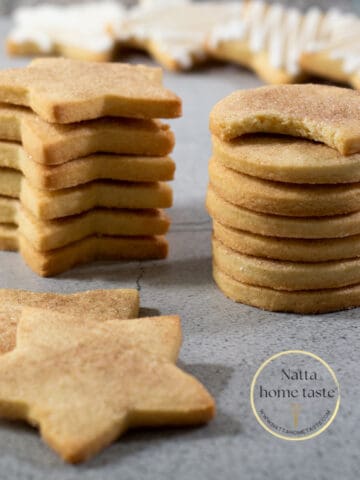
[
  {"x": 281, "y": 275},
  {"x": 287, "y": 159},
  {"x": 283, "y": 198},
  {"x": 290, "y": 249},
  {"x": 280, "y": 226},
  {"x": 322, "y": 113},
  {"x": 305, "y": 302}
]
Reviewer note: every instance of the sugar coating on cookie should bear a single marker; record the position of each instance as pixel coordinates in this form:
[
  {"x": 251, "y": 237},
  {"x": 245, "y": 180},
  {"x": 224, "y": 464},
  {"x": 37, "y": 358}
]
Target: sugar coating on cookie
[
  {"x": 330, "y": 115},
  {"x": 115, "y": 376},
  {"x": 98, "y": 305},
  {"x": 67, "y": 91}
]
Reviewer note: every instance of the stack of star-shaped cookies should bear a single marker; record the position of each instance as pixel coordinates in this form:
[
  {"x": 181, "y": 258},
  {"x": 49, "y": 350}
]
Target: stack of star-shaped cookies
[
  {"x": 284, "y": 187},
  {"x": 84, "y": 162}
]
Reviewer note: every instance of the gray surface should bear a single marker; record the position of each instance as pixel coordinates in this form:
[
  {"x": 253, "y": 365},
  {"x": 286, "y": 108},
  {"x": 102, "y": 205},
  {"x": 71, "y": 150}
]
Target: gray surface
[{"x": 224, "y": 343}]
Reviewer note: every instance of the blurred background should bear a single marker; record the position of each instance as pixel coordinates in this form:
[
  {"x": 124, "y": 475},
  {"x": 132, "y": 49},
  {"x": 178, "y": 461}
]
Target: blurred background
[{"x": 6, "y": 6}]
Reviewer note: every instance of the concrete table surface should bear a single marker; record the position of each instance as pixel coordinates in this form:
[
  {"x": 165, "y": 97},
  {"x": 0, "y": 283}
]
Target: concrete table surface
[{"x": 224, "y": 343}]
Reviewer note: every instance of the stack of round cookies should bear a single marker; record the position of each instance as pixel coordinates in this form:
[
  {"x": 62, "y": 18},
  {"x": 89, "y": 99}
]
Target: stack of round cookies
[{"x": 286, "y": 209}]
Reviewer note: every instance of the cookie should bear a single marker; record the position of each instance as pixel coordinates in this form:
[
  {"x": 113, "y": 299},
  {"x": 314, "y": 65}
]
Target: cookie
[
  {"x": 266, "y": 38},
  {"x": 293, "y": 250},
  {"x": 159, "y": 336},
  {"x": 230, "y": 215},
  {"x": 99, "y": 305},
  {"x": 65, "y": 91},
  {"x": 280, "y": 198},
  {"x": 173, "y": 33},
  {"x": 86, "y": 169},
  {"x": 46, "y": 204},
  {"x": 54, "y": 144},
  {"x": 271, "y": 38},
  {"x": 47, "y": 235},
  {"x": 305, "y": 302},
  {"x": 335, "y": 55},
  {"x": 322, "y": 113},
  {"x": 281, "y": 275},
  {"x": 87, "y": 250},
  {"x": 287, "y": 159},
  {"x": 121, "y": 381},
  {"x": 78, "y": 31}
]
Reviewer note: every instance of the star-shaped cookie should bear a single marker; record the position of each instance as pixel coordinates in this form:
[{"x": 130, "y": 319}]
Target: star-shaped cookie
[
  {"x": 54, "y": 144},
  {"x": 65, "y": 91},
  {"x": 113, "y": 303},
  {"x": 86, "y": 385}
]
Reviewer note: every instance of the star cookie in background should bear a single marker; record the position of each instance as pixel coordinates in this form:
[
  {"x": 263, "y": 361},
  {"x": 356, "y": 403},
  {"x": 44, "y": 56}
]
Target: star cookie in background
[
  {"x": 174, "y": 32},
  {"x": 286, "y": 219},
  {"x": 78, "y": 31},
  {"x": 85, "y": 384},
  {"x": 270, "y": 38},
  {"x": 336, "y": 54}
]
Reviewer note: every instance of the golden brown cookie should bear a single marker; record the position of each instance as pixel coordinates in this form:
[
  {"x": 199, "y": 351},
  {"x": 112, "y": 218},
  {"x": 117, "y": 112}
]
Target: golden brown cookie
[
  {"x": 294, "y": 250},
  {"x": 54, "y": 144},
  {"x": 86, "y": 169},
  {"x": 86, "y": 394},
  {"x": 47, "y": 235},
  {"x": 65, "y": 91},
  {"x": 280, "y": 226},
  {"x": 46, "y": 204},
  {"x": 281, "y": 275},
  {"x": 280, "y": 198},
  {"x": 88, "y": 250},
  {"x": 287, "y": 159},
  {"x": 306, "y": 302},
  {"x": 99, "y": 305},
  {"x": 330, "y": 115}
]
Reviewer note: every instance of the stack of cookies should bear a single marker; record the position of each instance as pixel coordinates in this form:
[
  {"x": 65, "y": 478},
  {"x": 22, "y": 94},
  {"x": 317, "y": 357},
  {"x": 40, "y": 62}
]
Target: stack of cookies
[
  {"x": 283, "y": 194},
  {"x": 84, "y": 162}
]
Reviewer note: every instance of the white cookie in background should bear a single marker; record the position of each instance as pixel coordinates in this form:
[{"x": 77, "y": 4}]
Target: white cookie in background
[
  {"x": 80, "y": 31},
  {"x": 336, "y": 55},
  {"x": 174, "y": 32},
  {"x": 271, "y": 38}
]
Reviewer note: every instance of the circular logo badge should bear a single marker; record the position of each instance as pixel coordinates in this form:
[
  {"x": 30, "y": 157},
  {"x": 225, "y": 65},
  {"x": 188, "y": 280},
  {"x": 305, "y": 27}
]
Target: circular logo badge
[{"x": 295, "y": 395}]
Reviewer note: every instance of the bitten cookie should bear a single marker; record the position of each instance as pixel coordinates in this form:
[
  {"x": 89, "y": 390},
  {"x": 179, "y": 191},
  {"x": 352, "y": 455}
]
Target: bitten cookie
[{"x": 325, "y": 114}]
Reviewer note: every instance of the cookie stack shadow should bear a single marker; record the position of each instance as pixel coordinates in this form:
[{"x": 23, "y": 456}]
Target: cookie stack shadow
[
  {"x": 77, "y": 191},
  {"x": 286, "y": 219}
]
